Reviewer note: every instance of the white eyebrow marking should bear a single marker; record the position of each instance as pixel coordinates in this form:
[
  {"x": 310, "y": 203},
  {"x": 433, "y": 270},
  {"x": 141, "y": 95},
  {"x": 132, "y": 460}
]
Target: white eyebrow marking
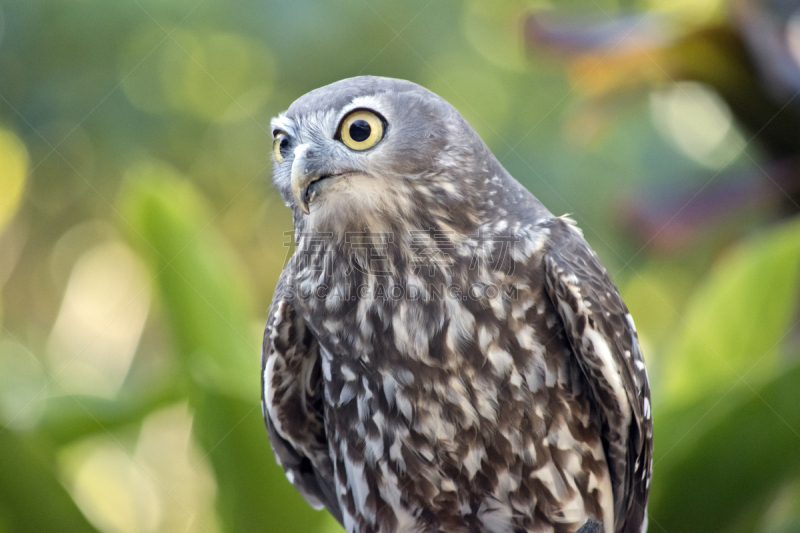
[
  {"x": 281, "y": 122},
  {"x": 368, "y": 102}
]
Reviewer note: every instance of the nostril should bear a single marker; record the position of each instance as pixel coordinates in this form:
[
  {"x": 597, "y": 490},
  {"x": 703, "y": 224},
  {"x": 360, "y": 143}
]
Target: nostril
[{"x": 302, "y": 151}]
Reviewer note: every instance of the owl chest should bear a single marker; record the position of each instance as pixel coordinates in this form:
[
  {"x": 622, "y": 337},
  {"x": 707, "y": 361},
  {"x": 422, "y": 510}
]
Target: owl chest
[{"x": 422, "y": 409}]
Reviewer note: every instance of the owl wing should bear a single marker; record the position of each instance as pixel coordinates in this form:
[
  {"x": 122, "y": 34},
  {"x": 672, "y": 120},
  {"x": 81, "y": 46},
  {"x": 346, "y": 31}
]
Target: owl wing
[
  {"x": 603, "y": 338},
  {"x": 292, "y": 401}
]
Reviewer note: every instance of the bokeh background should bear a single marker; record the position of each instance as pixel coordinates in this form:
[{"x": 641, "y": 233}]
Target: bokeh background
[{"x": 141, "y": 238}]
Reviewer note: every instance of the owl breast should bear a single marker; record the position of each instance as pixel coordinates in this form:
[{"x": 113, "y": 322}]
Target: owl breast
[{"x": 453, "y": 401}]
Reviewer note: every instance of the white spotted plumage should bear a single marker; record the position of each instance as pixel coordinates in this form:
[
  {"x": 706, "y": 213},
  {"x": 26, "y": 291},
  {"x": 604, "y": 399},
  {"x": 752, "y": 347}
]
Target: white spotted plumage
[{"x": 504, "y": 392}]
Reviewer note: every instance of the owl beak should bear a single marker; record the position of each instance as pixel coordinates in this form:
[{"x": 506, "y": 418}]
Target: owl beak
[
  {"x": 300, "y": 178},
  {"x": 306, "y": 186}
]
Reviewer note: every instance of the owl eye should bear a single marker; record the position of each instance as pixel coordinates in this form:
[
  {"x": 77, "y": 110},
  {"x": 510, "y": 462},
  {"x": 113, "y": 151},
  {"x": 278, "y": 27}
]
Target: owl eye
[
  {"x": 280, "y": 146},
  {"x": 361, "y": 129}
]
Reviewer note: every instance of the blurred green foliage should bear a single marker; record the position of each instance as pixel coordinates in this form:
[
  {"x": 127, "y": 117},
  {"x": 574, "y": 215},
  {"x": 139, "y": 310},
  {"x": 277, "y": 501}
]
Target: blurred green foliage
[{"x": 141, "y": 239}]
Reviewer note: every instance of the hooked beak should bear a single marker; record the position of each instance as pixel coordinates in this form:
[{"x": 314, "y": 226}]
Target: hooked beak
[
  {"x": 307, "y": 185},
  {"x": 300, "y": 179}
]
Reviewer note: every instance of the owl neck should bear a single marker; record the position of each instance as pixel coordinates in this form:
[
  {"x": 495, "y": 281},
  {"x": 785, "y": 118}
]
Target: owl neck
[{"x": 412, "y": 220}]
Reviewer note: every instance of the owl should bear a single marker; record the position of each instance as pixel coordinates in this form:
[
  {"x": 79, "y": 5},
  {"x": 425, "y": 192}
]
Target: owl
[{"x": 442, "y": 353}]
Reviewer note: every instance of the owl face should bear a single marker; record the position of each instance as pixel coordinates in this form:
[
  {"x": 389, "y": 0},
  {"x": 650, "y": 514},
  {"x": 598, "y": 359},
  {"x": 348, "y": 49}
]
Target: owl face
[{"x": 363, "y": 145}]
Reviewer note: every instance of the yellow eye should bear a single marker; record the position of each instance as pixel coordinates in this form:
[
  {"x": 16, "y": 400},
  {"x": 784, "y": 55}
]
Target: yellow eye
[
  {"x": 280, "y": 146},
  {"x": 361, "y": 129}
]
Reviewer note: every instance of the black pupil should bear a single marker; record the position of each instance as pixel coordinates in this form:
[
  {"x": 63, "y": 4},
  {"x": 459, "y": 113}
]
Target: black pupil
[{"x": 360, "y": 130}]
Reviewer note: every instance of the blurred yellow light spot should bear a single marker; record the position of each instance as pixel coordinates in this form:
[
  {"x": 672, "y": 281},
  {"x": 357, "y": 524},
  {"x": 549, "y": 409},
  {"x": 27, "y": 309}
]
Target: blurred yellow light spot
[
  {"x": 604, "y": 74},
  {"x": 114, "y": 492},
  {"x": 697, "y": 121},
  {"x": 13, "y": 171},
  {"x": 694, "y": 12},
  {"x": 100, "y": 321},
  {"x": 168, "y": 453},
  {"x": 163, "y": 484}
]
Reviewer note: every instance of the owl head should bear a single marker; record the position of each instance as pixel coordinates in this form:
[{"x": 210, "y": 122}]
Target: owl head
[{"x": 367, "y": 149}]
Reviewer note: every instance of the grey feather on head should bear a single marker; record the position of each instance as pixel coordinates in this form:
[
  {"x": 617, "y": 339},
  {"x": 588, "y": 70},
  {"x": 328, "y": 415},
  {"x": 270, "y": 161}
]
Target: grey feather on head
[{"x": 428, "y": 163}]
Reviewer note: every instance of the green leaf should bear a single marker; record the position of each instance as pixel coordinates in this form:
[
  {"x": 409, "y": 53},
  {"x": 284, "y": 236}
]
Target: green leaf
[
  {"x": 733, "y": 464},
  {"x": 254, "y": 494},
  {"x": 31, "y": 498},
  {"x": 69, "y": 418},
  {"x": 205, "y": 299},
  {"x": 737, "y": 319},
  {"x": 200, "y": 280}
]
